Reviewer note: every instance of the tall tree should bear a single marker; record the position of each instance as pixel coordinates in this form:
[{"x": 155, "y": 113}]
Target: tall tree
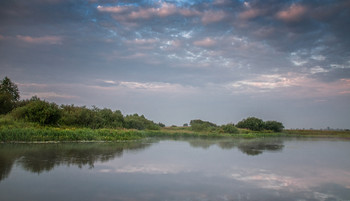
[{"x": 9, "y": 95}]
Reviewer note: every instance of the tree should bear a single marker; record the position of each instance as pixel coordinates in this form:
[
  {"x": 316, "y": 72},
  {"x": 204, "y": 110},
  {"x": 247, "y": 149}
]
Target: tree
[
  {"x": 199, "y": 125},
  {"x": 229, "y": 128},
  {"x": 9, "y": 95},
  {"x": 252, "y": 123},
  {"x": 274, "y": 126},
  {"x": 38, "y": 111}
]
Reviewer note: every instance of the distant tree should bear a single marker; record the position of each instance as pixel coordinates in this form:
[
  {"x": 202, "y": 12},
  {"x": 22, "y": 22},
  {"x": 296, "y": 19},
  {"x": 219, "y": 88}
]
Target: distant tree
[
  {"x": 199, "y": 125},
  {"x": 139, "y": 122},
  {"x": 9, "y": 95},
  {"x": 161, "y": 125},
  {"x": 274, "y": 126},
  {"x": 229, "y": 128},
  {"x": 185, "y": 125},
  {"x": 251, "y": 123}
]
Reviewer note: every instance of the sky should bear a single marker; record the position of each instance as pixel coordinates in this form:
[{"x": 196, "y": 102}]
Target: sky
[{"x": 178, "y": 60}]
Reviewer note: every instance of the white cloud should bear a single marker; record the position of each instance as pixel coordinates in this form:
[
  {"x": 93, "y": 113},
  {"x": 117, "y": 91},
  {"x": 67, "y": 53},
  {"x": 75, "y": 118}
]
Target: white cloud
[
  {"x": 318, "y": 57},
  {"x": 318, "y": 69},
  {"x": 112, "y": 9}
]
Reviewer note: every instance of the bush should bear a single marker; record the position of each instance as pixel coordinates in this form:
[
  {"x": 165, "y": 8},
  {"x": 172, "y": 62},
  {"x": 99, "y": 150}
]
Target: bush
[
  {"x": 139, "y": 122},
  {"x": 199, "y": 125},
  {"x": 252, "y": 123},
  {"x": 38, "y": 111},
  {"x": 274, "y": 126},
  {"x": 229, "y": 128},
  {"x": 91, "y": 118}
]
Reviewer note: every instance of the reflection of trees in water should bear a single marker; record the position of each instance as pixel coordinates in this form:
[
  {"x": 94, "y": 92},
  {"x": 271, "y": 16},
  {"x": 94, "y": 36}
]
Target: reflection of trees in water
[
  {"x": 5, "y": 166},
  {"x": 44, "y": 157},
  {"x": 256, "y": 146},
  {"x": 247, "y": 146}
]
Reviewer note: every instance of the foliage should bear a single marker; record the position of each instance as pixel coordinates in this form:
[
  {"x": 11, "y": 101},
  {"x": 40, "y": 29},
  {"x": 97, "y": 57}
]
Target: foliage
[
  {"x": 199, "y": 125},
  {"x": 139, "y": 122},
  {"x": 274, "y": 126},
  {"x": 91, "y": 118},
  {"x": 229, "y": 128},
  {"x": 161, "y": 125},
  {"x": 9, "y": 95},
  {"x": 38, "y": 111},
  {"x": 252, "y": 123}
]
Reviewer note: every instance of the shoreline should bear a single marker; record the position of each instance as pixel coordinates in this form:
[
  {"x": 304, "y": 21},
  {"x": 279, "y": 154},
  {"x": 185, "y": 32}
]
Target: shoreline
[{"x": 84, "y": 135}]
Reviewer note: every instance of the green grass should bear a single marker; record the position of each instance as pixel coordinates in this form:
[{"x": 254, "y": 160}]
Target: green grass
[
  {"x": 45, "y": 134},
  {"x": 19, "y": 131}
]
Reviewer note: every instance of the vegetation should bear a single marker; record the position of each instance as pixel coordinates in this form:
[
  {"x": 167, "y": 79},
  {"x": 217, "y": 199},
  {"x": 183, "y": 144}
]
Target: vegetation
[
  {"x": 256, "y": 124},
  {"x": 252, "y": 123},
  {"x": 9, "y": 95},
  {"x": 38, "y": 120},
  {"x": 274, "y": 126},
  {"x": 199, "y": 125},
  {"x": 229, "y": 128}
]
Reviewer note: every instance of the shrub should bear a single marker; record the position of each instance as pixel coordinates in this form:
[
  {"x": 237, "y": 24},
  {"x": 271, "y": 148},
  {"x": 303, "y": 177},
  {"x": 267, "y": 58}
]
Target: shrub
[
  {"x": 38, "y": 111},
  {"x": 229, "y": 128},
  {"x": 199, "y": 125},
  {"x": 252, "y": 123},
  {"x": 139, "y": 122},
  {"x": 274, "y": 126}
]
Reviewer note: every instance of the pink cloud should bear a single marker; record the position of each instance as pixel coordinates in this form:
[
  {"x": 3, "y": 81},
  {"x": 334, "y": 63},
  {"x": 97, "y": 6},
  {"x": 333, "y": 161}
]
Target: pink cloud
[
  {"x": 164, "y": 10},
  {"x": 298, "y": 86},
  {"x": 2, "y": 37},
  {"x": 112, "y": 9},
  {"x": 212, "y": 16},
  {"x": 189, "y": 13},
  {"x": 207, "y": 42},
  {"x": 249, "y": 14},
  {"x": 53, "y": 40},
  {"x": 293, "y": 13}
]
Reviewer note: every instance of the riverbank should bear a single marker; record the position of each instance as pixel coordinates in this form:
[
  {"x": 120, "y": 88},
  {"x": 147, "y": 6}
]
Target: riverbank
[{"x": 56, "y": 134}]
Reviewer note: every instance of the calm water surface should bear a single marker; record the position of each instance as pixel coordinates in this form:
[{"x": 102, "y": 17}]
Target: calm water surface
[{"x": 182, "y": 169}]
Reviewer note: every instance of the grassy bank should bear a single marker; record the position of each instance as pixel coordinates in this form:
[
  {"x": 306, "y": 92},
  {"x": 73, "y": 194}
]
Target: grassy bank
[
  {"x": 318, "y": 133},
  {"x": 44, "y": 134},
  {"x": 30, "y": 132}
]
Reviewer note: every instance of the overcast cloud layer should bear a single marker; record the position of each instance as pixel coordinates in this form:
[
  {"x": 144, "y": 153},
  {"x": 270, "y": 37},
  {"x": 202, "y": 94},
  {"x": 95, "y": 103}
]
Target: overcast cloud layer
[{"x": 179, "y": 60}]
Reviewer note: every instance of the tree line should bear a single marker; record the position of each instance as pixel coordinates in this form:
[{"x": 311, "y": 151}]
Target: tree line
[
  {"x": 251, "y": 123},
  {"x": 46, "y": 113}
]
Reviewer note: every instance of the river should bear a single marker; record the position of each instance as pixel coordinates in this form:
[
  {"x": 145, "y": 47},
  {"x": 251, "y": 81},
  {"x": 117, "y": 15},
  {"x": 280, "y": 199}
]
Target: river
[{"x": 178, "y": 169}]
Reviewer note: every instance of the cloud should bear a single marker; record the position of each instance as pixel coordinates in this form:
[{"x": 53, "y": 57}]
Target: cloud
[
  {"x": 291, "y": 85},
  {"x": 206, "y": 42},
  {"x": 52, "y": 40},
  {"x": 157, "y": 87},
  {"x": 112, "y": 9},
  {"x": 49, "y": 95},
  {"x": 293, "y": 13},
  {"x": 209, "y": 17},
  {"x": 164, "y": 10},
  {"x": 142, "y": 41},
  {"x": 249, "y": 14},
  {"x": 318, "y": 69}
]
